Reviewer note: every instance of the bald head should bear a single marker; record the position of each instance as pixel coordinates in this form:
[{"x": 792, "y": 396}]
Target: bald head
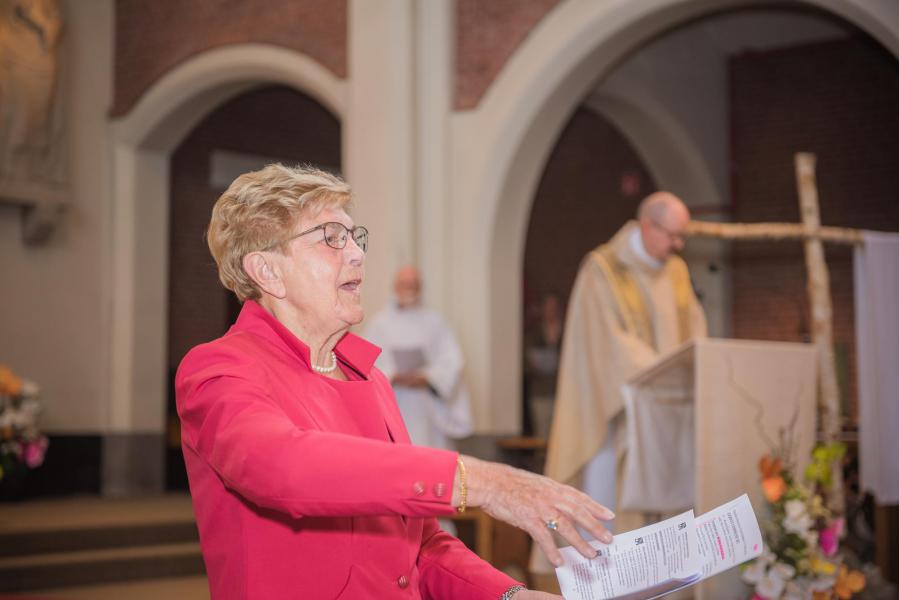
[
  {"x": 663, "y": 221},
  {"x": 407, "y": 286},
  {"x": 658, "y": 205}
]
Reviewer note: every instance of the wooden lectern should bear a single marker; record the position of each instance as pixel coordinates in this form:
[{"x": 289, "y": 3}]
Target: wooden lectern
[{"x": 695, "y": 420}]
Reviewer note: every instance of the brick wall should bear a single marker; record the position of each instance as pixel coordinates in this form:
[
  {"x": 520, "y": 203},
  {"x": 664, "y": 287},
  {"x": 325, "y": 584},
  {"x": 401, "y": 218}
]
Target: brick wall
[
  {"x": 579, "y": 203},
  {"x": 153, "y": 37},
  {"x": 838, "y": 100},
  {"x": 487, "y": 34},
  {"x": 275, "y": 122}
]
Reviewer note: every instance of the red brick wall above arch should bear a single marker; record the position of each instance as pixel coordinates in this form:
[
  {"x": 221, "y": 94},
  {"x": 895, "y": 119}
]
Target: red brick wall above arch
[
  {"x": 153, "y": 37},
  {"x": 487, "y": 34}
]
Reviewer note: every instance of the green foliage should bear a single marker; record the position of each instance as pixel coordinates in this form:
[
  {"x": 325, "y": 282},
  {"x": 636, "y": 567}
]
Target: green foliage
[{"x": 823, "y": 456}]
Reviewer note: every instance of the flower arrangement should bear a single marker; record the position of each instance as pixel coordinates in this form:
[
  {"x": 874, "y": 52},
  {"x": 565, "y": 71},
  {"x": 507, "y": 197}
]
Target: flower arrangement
[
  {"x": 802, "y": 559},
  {"x": 21, "y": 444}
]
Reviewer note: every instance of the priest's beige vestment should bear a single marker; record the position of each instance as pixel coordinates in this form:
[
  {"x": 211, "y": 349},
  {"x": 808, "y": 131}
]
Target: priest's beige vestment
[{"x": 625, "y": 310}]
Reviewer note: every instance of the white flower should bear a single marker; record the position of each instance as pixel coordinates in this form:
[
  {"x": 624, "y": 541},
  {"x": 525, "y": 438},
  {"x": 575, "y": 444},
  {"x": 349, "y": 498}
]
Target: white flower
[
  {"x": 772, "y": 583},
  {"x": 797, "y": 519},
  {"x": 794, "y": 508},
  {"x": 822, "y": 583},
  {"x": 31, "y": 407},
  {"x": 770, "y": 586},
  {"x": 794, "y": 590},
  {"x": 811, "y": 538},
  {"x": 754, "y": 572},
  {"x": 20, "y": 419},
  {"x": 785, "y": 571},
  {"x": 29, "y": 388}
]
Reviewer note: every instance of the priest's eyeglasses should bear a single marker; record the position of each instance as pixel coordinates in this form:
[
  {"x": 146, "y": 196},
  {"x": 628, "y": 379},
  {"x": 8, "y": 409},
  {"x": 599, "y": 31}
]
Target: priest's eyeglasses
[
  {"x": 335, "y": 235},
  {"x": 679, "y": 238}
]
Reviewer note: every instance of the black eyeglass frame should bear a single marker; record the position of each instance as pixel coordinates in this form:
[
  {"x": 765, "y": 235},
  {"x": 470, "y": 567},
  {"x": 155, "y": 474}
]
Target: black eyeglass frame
[{"x": 322, "y": 226}]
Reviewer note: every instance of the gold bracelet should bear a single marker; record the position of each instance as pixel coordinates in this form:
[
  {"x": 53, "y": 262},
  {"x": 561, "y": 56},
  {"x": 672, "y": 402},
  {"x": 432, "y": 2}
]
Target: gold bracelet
[{"x": 463, "y": 485}]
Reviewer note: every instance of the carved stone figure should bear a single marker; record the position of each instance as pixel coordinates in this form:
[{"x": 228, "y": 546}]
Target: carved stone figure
[{"x": 33, "y": 157}]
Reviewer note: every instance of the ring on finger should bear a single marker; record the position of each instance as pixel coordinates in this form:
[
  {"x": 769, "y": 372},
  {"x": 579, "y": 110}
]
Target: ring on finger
[{"x": 552, "y": 524}]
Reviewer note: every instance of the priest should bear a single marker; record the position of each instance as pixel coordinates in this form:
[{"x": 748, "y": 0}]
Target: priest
[{"x": 632, "y": 301}]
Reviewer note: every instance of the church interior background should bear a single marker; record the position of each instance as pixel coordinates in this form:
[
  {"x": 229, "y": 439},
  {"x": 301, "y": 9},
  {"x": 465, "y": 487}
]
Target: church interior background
[{"x": 492, "y": 143}]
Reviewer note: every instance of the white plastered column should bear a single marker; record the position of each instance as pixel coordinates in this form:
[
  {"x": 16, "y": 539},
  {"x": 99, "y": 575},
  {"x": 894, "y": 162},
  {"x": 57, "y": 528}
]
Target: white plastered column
[
  {"x": 434, "y": 95},
  {"x": 397, "y": 140},
  {"x": 379, "y": 137}
]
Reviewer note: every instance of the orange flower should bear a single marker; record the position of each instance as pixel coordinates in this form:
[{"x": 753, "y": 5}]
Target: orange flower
[
  {"x": 848, "y": 583},
  {"x": 774, "y": 488},
  {"x": 770, "y": 466},
  {"x": 9, "y": 383},
  {"x": 825, "y": 595}
]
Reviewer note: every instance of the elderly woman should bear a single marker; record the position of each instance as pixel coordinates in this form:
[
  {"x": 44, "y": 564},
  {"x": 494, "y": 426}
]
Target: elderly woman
[{"x": 303, "y": 479}]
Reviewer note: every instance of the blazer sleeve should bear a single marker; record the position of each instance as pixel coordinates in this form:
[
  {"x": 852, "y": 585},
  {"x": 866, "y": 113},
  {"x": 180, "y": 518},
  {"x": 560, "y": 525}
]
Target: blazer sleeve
[
  {"x": 231, "y": 422},
  {"x": 450, "y": 570}
]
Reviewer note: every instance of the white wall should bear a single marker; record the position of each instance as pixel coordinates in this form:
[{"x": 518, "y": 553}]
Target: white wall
[{"x": 53, "y": 325}]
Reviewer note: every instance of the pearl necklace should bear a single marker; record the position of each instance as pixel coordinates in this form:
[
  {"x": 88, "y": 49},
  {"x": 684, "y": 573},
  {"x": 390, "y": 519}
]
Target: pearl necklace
[{"x": 329, "y": 369}]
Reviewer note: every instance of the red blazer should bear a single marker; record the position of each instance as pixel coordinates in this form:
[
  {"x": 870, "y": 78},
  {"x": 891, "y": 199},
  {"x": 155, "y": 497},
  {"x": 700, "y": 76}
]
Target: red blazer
[{"x": 308, "y": 487}]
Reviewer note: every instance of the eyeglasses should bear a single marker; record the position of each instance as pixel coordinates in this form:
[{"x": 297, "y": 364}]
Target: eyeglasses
[
  {"x": 335, "y": 235},
  {"x": 674, "y": 237}
]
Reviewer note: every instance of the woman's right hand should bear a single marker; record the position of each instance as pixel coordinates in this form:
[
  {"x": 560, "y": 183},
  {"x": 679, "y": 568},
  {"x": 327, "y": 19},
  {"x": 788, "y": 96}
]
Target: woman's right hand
[{"x": 530, "y": 502}]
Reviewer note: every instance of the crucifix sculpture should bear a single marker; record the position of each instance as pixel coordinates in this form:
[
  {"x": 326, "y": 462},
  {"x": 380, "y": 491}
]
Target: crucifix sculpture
[{"x": 813, "y": 236}]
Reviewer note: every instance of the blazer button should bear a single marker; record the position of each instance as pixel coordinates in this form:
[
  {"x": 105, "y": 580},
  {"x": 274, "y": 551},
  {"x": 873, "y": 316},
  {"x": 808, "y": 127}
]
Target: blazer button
[
  {"x": 439, "y": 489},
  {"x": 419, "y": 488},
  {"x": 403, "y": 582}
]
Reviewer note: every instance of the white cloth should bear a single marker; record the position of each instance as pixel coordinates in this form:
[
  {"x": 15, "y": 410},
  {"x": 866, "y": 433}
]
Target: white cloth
[
  {"x": 433, "y": 417},
  {"x": 659, "y": 468},
  {"x": 601, "y": 475},
  {"x": 877, "y": 338},
  {"x": 635, "y": 239}
]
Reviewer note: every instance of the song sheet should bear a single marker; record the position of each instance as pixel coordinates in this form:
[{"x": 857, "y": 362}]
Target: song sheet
[{"x": 658, "y": 559}]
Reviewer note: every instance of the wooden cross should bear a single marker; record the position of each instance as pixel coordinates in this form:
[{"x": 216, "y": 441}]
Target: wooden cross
[{"x": 814, "y": 236}]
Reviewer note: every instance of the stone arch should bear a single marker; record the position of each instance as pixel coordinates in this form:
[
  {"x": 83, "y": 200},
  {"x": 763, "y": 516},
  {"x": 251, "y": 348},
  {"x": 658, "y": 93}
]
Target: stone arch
[
  {"x": 143, "y": 140},
  {"x": 667, "y": 150},
  {"x": 516, "y": 126}
]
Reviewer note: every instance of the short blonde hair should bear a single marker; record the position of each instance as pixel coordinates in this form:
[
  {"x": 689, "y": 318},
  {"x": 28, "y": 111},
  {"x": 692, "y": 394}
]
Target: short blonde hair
[{"x": 260, "y": 210}]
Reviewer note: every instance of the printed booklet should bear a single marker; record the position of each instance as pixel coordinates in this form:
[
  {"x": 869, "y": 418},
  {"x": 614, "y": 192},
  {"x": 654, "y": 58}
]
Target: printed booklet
[{"x": 658, "y": 559}]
